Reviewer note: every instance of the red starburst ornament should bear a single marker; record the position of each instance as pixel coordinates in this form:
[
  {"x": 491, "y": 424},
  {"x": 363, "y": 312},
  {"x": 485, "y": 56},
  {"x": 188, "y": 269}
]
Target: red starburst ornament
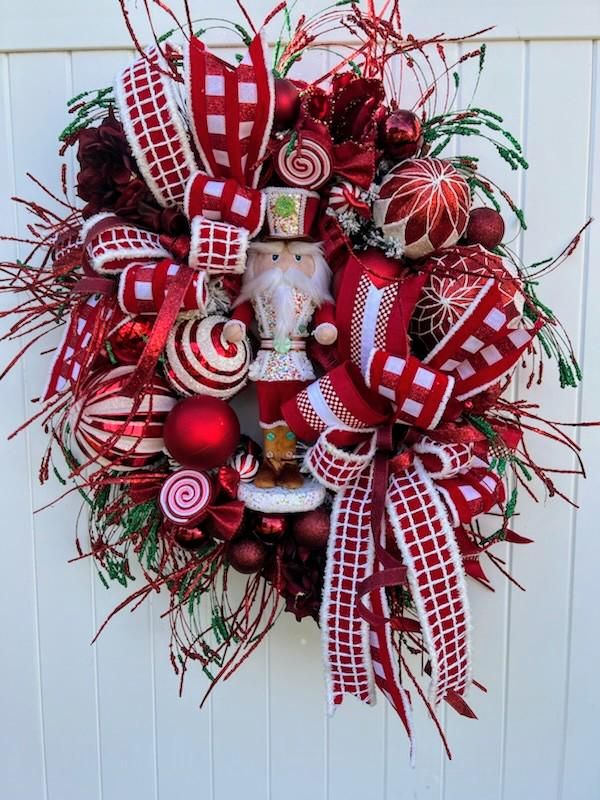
[
  {"x": 423, "y": 205},
  {"x": 458, "y": 277}
]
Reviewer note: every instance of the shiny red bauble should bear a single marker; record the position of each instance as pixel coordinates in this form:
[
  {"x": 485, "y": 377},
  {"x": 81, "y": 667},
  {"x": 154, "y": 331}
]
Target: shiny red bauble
[
  {"x": 247, "y": 555},
  {"x": 287, "y": 104},
  {"x": 127, "y": 342},
  {"x": 271, "y": 526},
  {"x": 190, "y": 538},
  {"x": 201, "y": 432},
  {"x": 312, "y": 529},
  {"x": 485, "y": 227},
  {"x": 401, "y": 134}
]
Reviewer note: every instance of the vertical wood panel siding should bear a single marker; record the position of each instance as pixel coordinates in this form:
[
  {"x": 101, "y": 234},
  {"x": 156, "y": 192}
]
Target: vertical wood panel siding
[{"x": 105, "y": 722}]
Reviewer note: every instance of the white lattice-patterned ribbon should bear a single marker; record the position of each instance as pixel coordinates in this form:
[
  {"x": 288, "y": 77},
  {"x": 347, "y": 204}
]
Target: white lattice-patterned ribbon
[{"x": 443, "y": 486}]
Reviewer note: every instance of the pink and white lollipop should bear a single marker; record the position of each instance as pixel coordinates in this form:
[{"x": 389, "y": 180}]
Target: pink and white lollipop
[
  {"x": 306, "y": 165},
  {"x": 185, "y": 496}
]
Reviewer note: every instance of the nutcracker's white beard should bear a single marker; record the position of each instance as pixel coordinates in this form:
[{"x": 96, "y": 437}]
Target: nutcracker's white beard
[{"x": 281, "y": 284}]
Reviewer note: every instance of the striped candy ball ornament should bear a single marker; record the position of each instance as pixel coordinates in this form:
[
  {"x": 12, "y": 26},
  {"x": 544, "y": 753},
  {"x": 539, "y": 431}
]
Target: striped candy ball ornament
[
  {"x": 423, "y": 205},
  {"x": 246, "y": 465},
  {"x": 185, "y": 496},
  {"x": 200, "y": 361},
  {"x": 101, "y": 430}
]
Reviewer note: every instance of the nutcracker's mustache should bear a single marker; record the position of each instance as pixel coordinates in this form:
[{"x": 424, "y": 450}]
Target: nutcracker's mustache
[{"x": 315, "y": 287}]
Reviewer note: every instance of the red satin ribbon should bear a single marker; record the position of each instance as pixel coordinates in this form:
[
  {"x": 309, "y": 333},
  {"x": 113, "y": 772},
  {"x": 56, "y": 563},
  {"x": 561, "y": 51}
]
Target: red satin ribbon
[{"x": 158, "y": 338}]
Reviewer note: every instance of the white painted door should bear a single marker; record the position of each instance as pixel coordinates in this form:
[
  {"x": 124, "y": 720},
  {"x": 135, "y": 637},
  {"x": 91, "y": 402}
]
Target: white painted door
[{"x": 85, "y": 723}]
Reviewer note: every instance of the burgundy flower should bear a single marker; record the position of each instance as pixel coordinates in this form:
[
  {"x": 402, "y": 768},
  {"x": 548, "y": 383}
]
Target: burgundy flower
[
  {"x": 106, "y": 165},
  {"x": 298, "y": 573}
]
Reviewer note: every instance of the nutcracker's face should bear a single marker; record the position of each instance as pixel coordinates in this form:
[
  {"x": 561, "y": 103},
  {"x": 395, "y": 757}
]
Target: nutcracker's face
[{"x": 286, "y": 256}]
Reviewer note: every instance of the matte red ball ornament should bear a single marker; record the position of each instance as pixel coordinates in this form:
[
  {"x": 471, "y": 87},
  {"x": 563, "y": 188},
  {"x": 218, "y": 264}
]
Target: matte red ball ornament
[
  {"x": 247, "y": 555},
  {"x": 271, "y": 526},
  {"x": 486, "y": 227},
  {"x": 312, "y": 529},
  {"x": 287, "y": 104},
  {"x": 401, "y": 135},
  {"x": 202, "y": 432},
  {"x": 127, "y": 342}
]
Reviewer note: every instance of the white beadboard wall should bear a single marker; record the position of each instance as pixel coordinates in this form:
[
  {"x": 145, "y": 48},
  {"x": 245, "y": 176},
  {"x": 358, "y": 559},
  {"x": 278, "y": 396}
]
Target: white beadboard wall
[{"x": 105, "y": 722}]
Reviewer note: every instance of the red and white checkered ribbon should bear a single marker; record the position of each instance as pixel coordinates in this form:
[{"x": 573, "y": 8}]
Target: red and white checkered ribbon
[
  {"x": 439, "y": 489},
  {"x": 231, "y": 110}
]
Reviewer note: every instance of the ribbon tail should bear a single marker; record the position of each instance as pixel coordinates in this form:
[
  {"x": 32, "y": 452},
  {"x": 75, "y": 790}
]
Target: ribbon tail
[
  {"x": 425, "y": 538},
  {"x": 350, "y": 555}
]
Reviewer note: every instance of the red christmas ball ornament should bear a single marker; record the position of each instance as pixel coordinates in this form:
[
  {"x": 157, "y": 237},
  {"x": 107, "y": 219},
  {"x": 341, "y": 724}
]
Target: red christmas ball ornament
[
  {"x": 190, "y": 538},
  {"x": 287, "y": 104},
  {"x": 312, "y": 529},
  {"x": 423, "y": 206},
  {"x": 401, "y": 134},
  {"x": 271, "y": 526},
  {"x": 201, "y": 432},
  {"x": 486, "y": 227},
  {"x": 247, "y": 555},
  {"x": 127, "y": 342}
]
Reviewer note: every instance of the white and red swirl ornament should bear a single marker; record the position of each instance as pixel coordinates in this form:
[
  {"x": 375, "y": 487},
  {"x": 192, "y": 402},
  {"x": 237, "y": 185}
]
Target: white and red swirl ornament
[
  {"x": 200, "y": 361},
  {"x": 246, "y": 465},
  {"x": 185, "y": 497},
  {"x": 305, "y": 162},
  {"x": 423, "y": 205},
  {"x": 112, "y": 430}
]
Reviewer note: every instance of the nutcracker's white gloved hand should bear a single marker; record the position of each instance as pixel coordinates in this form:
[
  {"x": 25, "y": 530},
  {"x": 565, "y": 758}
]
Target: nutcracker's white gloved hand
[
  {"x": 234, "y": 331},
  {"x": 325, "y": 333}
]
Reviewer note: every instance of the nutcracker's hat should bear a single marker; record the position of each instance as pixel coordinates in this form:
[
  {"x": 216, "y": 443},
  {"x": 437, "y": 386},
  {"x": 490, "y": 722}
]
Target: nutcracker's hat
[{"x": 290, "y": 213}]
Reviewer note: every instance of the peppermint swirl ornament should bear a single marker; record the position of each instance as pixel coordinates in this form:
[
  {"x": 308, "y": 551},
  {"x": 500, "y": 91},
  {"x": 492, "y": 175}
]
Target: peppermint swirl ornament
[
  {"x": 246, "y": 465},
  {"x": 200, "y": 361},
  {"x": 185, "y": 497},
  {"x": 305, "y": 163},
  {"x": 346, "y": 196}
]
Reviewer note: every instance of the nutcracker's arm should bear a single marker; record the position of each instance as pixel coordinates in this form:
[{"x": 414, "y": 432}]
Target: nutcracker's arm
[
  {"x": 325, "y": 330},
  {"x": 242, "y": 317}
]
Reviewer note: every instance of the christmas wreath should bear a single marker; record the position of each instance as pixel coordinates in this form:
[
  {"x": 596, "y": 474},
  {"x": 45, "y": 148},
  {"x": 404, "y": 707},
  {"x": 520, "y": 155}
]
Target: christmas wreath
[{"x": 321, "y": 247}]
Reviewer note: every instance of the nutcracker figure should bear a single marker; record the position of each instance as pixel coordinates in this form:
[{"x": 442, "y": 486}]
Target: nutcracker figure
[{"x": 285, "y": 290}]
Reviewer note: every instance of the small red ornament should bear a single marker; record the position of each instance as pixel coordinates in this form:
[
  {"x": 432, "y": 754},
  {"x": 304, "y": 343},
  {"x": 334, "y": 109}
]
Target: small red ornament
[
  {"x": 201, "y": 432},
  {"x": 485, "y": 227},
  {"x": 287, "y": 104},
  {"x": 401, "y": 134},
  {"x": 271, "y": 526},
  {"x": 247, "y": 555},
  {"x": 127, "y": 342},
  {"x": 312, "y": 529},
  {"x": 190, "y": 538}
]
